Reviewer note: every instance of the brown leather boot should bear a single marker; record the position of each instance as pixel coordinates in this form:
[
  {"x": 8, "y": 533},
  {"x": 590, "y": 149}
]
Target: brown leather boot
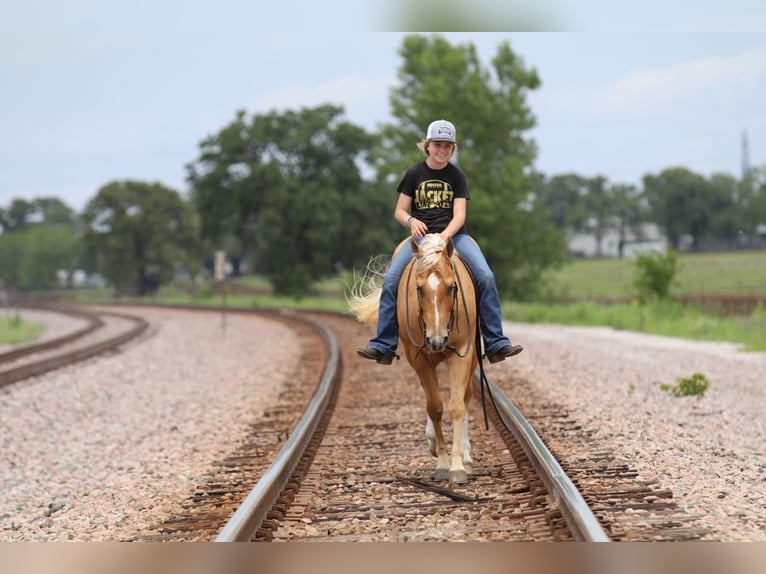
[
  {"x": 504, "y": 352},
  {"x": 376, "y": 355}
]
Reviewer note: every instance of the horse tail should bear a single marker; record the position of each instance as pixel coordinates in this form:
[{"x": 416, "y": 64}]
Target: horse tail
[{"x": 364, "y": 297}]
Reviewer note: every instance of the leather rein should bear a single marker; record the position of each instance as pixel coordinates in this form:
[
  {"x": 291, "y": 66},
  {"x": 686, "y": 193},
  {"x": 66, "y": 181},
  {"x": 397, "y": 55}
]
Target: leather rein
[{"x": 454, "y": 311}]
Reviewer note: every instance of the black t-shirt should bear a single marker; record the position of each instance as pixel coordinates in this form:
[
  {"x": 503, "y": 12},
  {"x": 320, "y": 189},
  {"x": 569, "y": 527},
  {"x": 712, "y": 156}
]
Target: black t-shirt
[{"x": 433, "y": 192}]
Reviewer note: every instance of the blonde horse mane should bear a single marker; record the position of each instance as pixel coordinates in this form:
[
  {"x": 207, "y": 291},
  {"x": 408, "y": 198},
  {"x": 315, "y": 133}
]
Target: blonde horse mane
[
  {"x": 430, "y": 249},
  {"x": 363, "y": 298}
]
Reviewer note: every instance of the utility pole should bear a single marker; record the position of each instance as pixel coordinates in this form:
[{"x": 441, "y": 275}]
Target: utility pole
[{"x": 745, "y": 155}]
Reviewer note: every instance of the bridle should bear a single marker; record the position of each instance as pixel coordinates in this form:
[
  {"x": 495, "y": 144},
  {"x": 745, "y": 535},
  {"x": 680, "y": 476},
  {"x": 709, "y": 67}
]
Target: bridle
[
  {"x": 454, "y": 311},
  {"x": 472, "y": 341}
]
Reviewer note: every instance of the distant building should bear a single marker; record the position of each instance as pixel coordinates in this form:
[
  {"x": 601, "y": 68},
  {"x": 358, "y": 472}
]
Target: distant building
[
  {"x": 80, "y": 279},
  {"x": 584, "y": 244}
]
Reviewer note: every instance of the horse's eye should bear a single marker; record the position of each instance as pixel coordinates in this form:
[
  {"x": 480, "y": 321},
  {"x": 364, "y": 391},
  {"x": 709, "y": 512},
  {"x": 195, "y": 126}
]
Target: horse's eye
[
  {"x": 452, "y": 288},
  {"x": 419, "y": 290}
]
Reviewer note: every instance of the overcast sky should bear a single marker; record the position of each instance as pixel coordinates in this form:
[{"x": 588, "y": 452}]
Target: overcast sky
[{"x": 92, "y": 93}]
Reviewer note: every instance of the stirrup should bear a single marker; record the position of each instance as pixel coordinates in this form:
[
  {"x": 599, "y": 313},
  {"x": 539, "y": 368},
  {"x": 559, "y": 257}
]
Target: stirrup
[
  {"x": 376, "y": 355},
  {"x": 504, "y": 352}
]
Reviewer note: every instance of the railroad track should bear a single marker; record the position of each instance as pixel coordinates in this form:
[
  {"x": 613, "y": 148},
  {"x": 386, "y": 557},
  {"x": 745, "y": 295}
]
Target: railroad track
[
  {"x": 278, "y": 508},
  {"x": 354, "y": 467},
  {"x": 102, "y": 332}
]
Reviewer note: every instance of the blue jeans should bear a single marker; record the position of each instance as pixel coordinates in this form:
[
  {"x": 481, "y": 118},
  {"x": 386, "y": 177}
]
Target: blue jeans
[{"x": 387, "y": 337}]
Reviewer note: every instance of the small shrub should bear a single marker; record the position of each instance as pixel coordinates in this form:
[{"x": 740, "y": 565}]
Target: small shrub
[
  {"x": 696, "y": 385},
  {"x": 14, "y": 321},
  {"x": 655, "y": 274}
]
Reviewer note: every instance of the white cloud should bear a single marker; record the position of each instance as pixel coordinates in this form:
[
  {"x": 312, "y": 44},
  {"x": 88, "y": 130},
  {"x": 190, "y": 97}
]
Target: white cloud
[
  {"x": 355, "y": 93},
  {"x": 716, "y": 82},
  {"x": 686, "y": 81}
]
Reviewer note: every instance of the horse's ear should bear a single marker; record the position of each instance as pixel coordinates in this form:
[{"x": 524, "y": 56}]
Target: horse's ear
[
  {"x": 414, "y": 245},
  {"x": 450, "y": 247}
]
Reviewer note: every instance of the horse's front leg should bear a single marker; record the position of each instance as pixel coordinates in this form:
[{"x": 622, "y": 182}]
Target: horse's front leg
[
  {"x": 458, "y": 473},
  {"x": 461, "y": 463},
  {"x": 438, "y": 448},
  {"x": 434, "y": 409},
  {"x": 466, "y": 442}
]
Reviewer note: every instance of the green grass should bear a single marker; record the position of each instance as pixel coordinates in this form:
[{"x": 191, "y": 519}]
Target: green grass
[
  {"x": 667, "y": 318},
  {"x": 720, "y": 273},
  {"x": 732, "y": 273},
  {"x": 307, "y": 303},
  {"x": 14, "y": 330}
]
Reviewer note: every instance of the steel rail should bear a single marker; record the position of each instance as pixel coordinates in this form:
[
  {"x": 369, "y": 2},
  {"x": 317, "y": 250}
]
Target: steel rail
[
  {"x": 38, "y": 368},
  {"x": 578, "y": 515},
  {"x": 249, "y": 516},
  {"x": 247, "y": 519},
  {"x": 93, "y": 322}
]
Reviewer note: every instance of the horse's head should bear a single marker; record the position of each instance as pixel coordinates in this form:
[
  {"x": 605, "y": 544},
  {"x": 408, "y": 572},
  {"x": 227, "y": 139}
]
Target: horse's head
[{"x": 436, "y": 283}]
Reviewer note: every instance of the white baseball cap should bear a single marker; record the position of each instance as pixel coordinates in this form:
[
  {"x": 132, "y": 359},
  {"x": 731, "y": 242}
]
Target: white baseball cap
[{"x": 441, "y": 130}]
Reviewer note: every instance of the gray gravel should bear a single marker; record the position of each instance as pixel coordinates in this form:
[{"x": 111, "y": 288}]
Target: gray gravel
[
  {"x": 104, "y": 450},
  {"x": 56, "y": 324},
  {"x": 709, "y": 451}
]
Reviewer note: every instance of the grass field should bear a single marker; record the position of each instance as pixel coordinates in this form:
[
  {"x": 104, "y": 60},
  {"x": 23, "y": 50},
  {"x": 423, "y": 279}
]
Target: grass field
[
  {"x": 737, "y": 273},
  {"x": 731, "y": 273},
  {"x": 14, "y": 330}
]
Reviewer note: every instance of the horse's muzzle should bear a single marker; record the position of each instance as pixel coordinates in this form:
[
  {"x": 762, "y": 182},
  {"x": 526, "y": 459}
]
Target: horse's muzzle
[{"x": 437, "y": 344}]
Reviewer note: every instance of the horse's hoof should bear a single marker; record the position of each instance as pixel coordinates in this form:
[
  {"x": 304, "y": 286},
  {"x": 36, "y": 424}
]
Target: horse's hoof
[
  {"x": 458, "y": 476},
  {"x": 442, "y": 474},
  {"x": 468, "y": 467}
]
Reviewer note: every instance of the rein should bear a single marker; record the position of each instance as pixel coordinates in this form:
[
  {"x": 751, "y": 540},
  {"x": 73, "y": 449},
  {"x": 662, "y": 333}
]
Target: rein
[
  {"x": 465, "y": 306},
  {"x": 419, "y": 346},
  {"x": 454, "y": 312},
  {"x": 483, "y": 381}
]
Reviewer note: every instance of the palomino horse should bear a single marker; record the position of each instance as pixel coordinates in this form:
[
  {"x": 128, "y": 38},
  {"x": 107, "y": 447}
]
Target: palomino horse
[{"x": 438, "y": 325}]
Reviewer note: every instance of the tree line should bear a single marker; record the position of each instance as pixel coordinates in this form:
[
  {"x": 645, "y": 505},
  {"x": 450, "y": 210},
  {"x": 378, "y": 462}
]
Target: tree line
[
  {"x": 299, "y": 195},
  {"x": 692, "y": 211}
]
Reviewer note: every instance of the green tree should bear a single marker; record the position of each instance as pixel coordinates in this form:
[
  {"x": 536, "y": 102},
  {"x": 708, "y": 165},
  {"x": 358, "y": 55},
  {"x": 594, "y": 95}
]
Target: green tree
[
  {"x": 18, "y": 215},
  {"x": 679, "y": 202},
  {"x": 11, "y": 256},
  {"x": 289, "y": 187},
  {"x": 562, "y": 196},
  {"x": 629, "y": 212},
  {"x": 47, "y": 250},
  {"x": 726, "y": 210},
  {"x": 223, "y": 179},
  {"x": 139, "y": 234},
  {"x": 488, "y": 106},
  {"x": 40, "y": 240},
  {"x": 591, "y": 205},
  {"x": 599, "y": 209},
  {"x": 53, "y": 211},
  {"x": 752, "y": 200}
]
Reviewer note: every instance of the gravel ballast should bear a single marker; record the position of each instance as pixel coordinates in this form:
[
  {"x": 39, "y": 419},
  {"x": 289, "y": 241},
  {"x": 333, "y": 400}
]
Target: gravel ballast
[
  {"x": 709, "y": 450},
  {"x": 105, "y": 449}
]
